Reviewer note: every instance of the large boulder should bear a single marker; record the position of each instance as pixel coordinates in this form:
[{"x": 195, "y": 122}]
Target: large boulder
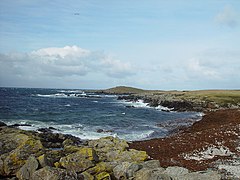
[
  {"x": 127, "y": 156},
  {"x": 126, "y": 170},
  {"x": 213, "y": 175},
  {"x": 107, "y": 144},
  {"x": 153, "y": 174},
  {"x": 152, "y": 164},
  {"x": 102, "y": 167},
  {"x": 52, "y": 173},
  {"x": 10, "y": 139},
  {"x": 80, "y": 160},
  {"x": 17, "y": 158},
  {"x": 27, "y": 170},
  {"x": 175, "y": 171}
]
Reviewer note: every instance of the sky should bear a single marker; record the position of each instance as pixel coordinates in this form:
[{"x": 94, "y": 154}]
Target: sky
[{"x": 92, "y": 44}]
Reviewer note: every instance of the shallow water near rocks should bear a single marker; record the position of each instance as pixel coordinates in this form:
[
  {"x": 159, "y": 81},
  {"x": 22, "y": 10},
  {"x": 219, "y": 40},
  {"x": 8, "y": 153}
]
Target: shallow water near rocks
[{"x": 83, "y": 114}]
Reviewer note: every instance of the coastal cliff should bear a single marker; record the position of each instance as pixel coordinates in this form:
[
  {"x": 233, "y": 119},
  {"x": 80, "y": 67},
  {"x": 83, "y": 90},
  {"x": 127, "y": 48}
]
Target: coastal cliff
[{"x": 200, "y": 101}]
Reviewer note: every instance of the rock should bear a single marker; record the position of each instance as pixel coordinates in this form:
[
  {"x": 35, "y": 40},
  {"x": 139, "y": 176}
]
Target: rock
[
  {"x": 16, "y": 158},
  {"x": 200, "y": 175},
  {"x": 1, "y": 166},
  {"x": 44, "y": 130},
  {"x": 44, "y": 161},
  {"x": 152, "y": 164},
  {"x": 103, "y": 131},
  {"x": 86, "y": 176},
  {"x": 81, "y": 160},
  {"x": 17, "y": 125},
  {"x": 127, "y": 156},
  {"x": 175, "y": 171},
  {"x": 153, "y": 174},
  {"x": 27, "y": 170},
  {"x": 102, "y": 167},
  {"x": 51, "y": 140},
  {"x": 103, "y": 176},
  {"x": 107, "y": 144},
  {"x": 68, "y": 142},
  {"x": 52, "y": 128},
  {"x": 54, "y": 174},
  {"x": 10, "y": 139},
  {"x": 125, "y": 170},
  {"x": 100, "y": 130},
  {"x": 130, "y": 107},
  {"x": 2, "y": 124}
]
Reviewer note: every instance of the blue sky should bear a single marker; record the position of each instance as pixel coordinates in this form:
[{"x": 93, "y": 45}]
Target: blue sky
[{"x": 99, "y": 44}]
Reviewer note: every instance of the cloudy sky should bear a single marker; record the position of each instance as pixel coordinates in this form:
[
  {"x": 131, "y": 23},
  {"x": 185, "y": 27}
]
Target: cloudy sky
[{"x": 150, "y": 44}]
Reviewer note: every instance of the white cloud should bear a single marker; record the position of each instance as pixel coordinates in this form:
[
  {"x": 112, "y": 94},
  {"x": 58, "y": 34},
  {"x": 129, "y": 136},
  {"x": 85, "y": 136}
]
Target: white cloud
[
  {"x": 227, "y": 17},
  {"x": 199, "y": 69},
  {"x": 60, "y": 62},
  {"x": 116, "y": 68},
  {"x": 215, "y": 65}
]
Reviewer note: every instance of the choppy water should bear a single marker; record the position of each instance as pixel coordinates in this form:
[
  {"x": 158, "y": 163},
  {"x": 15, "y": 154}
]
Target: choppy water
[{"x": 80, "y": 114}]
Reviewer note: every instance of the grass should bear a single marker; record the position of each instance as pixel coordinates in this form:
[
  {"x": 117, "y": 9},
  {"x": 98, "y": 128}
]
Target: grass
[{"x": 221, "y": 97}]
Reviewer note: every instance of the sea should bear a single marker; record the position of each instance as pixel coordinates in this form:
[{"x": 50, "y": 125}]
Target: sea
[{"x": 85, "y": 115}]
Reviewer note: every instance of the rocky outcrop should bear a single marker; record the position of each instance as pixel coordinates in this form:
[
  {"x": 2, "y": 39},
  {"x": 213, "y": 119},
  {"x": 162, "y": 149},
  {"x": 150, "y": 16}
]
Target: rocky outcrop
[
  {"x": 24, "y": 156},
  {"x": 81, "y": 160},
  {"x": 2, "y": 124}
]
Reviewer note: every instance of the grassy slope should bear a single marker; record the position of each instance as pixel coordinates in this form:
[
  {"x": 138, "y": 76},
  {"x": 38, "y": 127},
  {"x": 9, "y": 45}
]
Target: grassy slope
[{"x": 124, "y": 90}]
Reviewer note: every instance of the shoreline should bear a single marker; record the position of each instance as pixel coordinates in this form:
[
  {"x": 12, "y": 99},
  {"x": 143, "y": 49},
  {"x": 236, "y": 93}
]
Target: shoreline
[
  {"x": 214, "y": 138},
  {"x": 197, "y": 148},
  {"x": 207, "y": 149}
]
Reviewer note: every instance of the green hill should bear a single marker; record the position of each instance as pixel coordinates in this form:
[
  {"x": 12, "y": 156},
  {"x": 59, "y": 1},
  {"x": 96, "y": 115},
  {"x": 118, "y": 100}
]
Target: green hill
[{"x": 124, "y": 90}]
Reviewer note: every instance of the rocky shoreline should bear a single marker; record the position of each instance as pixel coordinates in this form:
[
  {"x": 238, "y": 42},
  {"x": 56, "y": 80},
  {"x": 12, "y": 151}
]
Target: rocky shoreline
[
  {"x": 209, "y": 149},
  {"x": 38, "y": 156}
]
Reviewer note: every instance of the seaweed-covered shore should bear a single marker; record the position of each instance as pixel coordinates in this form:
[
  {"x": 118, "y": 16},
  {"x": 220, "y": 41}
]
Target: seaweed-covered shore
[{"x": 209, "y": 149}]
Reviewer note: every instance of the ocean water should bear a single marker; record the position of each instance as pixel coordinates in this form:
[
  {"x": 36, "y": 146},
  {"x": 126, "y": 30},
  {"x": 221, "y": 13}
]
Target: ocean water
[{"x": 82, "y": 114}]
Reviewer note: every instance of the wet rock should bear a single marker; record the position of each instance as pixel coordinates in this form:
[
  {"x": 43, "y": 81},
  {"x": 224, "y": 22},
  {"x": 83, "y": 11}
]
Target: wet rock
[
  {"x": 80, "y": 161},
  {"x": 153, "y": 174},
  {"x": 16, "y": 158},
  {"x": 44, "y": 130},
  {"x": 17, "y": 125},
  {"x": 54, "y": 174},
  {"x": 127, "y": 156},
  {"x": 27, "y": 170},
  {"x": 2, "y": 124},
  {"x": 103, "y": 131},
  {"x": 130, "y": 107},
  {"x": 126, "y": 170},
  {"x": 52, "y": 128},
  {"x": 51, "y": 140},
  {"x": 200, "y": 175},
  {"x": 100, "y": 130}
]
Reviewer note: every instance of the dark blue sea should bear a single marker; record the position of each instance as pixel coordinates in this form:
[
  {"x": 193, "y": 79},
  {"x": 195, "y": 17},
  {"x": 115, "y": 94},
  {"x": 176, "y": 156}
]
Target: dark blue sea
[{"x": 83, "y": 114}]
